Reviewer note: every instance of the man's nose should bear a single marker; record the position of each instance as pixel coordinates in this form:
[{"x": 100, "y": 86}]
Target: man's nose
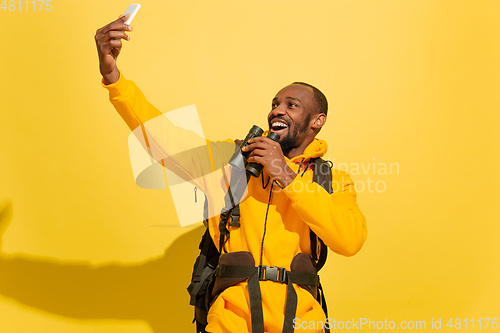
[{"x": 278, "y": 111}]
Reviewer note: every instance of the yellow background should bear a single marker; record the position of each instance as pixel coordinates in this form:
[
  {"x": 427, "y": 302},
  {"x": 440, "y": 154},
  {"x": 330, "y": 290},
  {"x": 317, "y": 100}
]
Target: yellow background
[{"x": 412, "y": 82}]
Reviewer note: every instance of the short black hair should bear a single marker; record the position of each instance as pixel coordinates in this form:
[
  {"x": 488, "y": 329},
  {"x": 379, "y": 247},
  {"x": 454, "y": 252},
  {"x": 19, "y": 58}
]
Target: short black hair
[{"x": 319, "y": 98}]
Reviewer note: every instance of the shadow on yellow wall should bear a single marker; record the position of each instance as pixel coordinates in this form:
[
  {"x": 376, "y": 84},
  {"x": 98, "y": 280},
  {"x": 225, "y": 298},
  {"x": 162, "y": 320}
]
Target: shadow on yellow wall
[{"x": 153, "y": 291}]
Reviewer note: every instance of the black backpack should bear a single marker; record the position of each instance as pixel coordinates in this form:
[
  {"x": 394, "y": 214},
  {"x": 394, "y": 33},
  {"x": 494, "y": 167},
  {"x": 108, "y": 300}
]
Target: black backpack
[{"x": 203, "y": 276}]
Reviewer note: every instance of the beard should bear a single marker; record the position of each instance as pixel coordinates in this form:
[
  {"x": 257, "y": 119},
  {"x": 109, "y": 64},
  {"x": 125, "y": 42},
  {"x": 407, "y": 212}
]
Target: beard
[
  {"x": 288, "y": 142},
  {"x": 292, "y": 138}
]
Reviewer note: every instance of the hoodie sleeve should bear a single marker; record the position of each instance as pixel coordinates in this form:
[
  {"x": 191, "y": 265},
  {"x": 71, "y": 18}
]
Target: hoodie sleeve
[
  {"x": 335, "y": 218},
  {"x": 180, "y": 150}
]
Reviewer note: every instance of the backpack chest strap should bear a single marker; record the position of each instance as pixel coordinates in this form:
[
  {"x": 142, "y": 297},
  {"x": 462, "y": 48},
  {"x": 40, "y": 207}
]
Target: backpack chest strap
[
  {"x": 266, "y": 273},
  {"x": 237, "y": 267}
]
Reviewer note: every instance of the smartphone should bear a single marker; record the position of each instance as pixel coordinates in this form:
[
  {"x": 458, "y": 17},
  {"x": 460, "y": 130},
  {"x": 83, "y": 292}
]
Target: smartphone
[{"x": 132, "y": 9}]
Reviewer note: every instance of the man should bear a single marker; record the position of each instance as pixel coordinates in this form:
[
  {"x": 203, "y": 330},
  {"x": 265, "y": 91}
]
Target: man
[{"x": 281, "y": 207}]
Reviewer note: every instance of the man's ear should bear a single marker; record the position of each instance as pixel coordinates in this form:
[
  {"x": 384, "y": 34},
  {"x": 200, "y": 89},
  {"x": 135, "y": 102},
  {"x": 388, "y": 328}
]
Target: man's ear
[{"x": 318, "y": 121}]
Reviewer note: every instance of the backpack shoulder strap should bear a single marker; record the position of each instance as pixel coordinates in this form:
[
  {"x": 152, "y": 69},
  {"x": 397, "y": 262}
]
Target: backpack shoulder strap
[
  {"x": 203, "y": 277},
  {"x": 323, "y": 176}
]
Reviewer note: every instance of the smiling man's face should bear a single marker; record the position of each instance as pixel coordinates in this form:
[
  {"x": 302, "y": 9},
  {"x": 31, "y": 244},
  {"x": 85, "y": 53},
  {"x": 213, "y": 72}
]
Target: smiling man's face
[{"x": 291, "y": 117}]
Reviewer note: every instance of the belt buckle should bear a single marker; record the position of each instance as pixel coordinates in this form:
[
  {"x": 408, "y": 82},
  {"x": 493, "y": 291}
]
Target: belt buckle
[{"x": 276, "y": 274}]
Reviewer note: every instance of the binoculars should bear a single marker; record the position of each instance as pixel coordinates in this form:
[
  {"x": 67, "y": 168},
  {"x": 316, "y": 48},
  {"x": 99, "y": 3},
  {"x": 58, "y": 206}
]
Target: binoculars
[{"x": 253, "y": 168}]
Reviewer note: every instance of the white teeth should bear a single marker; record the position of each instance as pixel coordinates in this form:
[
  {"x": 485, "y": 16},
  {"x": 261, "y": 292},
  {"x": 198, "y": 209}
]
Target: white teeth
[{"x": 280, "y": 124}]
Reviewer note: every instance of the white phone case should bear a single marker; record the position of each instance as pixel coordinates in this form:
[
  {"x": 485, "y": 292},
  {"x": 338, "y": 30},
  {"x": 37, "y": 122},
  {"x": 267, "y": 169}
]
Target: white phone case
[{"x": 132, "y": 9}]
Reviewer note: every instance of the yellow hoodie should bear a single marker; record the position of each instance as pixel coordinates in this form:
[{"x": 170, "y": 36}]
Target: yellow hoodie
[{"x": 300, "y": 206}]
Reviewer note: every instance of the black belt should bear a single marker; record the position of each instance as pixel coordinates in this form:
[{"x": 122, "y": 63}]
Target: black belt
[{"x": 266, "y": 273}]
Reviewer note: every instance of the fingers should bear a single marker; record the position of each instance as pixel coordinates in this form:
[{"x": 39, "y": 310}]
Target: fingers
[
  {"x": 117, "y": 25},
  {"x": 265, "y": 151},
  {"x": 108, "y": 38},
  {"x": 111, "y": 41},
  {"x": 256, "y": 153},
  {"x": 255, "y": 159},
  {"x": 261, "y": 143},
  {"x": 110, "y": 45},
  {"x": 261, "y": 139},
  {"x": 260, "y": 157},
  {"x": 114, "y": 35}
]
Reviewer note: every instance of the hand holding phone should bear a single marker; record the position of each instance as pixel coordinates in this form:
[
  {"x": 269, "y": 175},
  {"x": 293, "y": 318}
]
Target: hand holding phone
[{"x": 109, "y": 43}]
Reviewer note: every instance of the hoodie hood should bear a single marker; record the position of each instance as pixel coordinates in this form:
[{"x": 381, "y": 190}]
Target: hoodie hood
[{"x": 317, "y": 148}]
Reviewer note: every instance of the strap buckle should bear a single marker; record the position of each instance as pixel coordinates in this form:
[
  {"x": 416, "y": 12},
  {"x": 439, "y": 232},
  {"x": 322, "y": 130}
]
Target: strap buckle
[{"x": 276, "y": 274}]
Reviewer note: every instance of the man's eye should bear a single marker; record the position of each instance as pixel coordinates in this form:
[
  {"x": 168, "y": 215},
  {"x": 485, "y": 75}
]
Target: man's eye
[
  {"x": 292, "y": 104},
  {"x": 274, "y": 105}
]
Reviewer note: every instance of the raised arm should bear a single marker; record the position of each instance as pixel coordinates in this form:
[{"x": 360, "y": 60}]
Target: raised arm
[
  {"x": 127, "y": 99},
  {"x": 182, "y": 151}
]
